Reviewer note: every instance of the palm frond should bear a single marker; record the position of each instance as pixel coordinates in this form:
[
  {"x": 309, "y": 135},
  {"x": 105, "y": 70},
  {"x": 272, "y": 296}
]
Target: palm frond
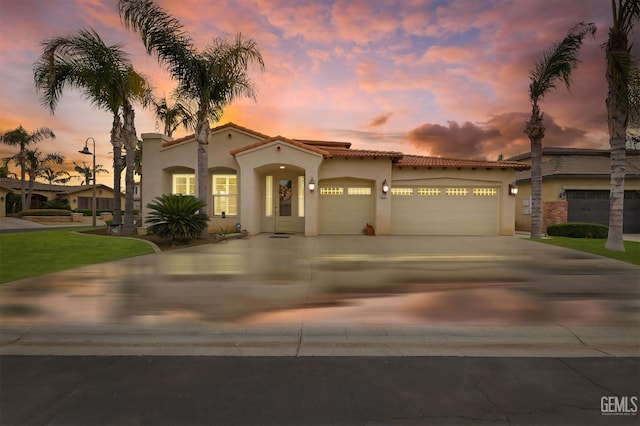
[
  {"x": 161, "y": 34},
  {"x": 558, "y": 62}
]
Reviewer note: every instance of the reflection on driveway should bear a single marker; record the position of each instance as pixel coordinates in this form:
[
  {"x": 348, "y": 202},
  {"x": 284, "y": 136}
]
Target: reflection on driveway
[{"x": 351, "y": 281}]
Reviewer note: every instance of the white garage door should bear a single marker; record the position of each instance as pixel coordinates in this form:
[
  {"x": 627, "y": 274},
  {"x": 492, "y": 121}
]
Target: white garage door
[
  {"x": 444, "y": 210},
  {"x": 345, "y": 207}
]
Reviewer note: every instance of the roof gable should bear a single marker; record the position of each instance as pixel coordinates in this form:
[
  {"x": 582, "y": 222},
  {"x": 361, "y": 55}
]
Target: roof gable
[
  {"x": 217, "y": 129},
  {"x": 292, "y": 142}
]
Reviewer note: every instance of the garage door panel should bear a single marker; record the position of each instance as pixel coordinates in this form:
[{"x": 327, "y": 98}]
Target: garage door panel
[
  {"x": 444, "y": 214},
  {"x": 342, "y": 213}
]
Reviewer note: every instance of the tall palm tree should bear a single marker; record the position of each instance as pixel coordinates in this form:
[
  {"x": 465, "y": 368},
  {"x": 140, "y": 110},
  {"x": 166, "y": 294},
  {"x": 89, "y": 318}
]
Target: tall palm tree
[
  {"x": 22, "y": 138},
  {"x": 173, "y": 115},
  {"x": 619, "y": 77},
  {"x": 213, "y": 78},
  {"x": 556, "y": 63},
  {"x": 105, "y": 76}
]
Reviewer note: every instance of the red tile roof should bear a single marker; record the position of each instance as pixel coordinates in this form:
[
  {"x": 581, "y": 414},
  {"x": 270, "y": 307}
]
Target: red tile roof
[
  {"x": 325, "y": 144},
  {"x": 428, "y": 162},
  {"x": 364, "y": 153}
]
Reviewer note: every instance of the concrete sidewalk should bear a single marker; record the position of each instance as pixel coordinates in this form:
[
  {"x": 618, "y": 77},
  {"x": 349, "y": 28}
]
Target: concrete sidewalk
[{"x": 14, "y": 224}]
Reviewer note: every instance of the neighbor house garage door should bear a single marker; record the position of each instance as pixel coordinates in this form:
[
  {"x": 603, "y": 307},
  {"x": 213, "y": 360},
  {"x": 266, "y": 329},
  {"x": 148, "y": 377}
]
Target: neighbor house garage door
[
  {"x": 345, "y": 207},
  {"x": 592, "y": 206},
  {"x": 444, "y": 210}
]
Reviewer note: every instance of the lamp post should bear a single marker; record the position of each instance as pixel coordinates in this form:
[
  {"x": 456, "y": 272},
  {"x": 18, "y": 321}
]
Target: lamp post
[{"x": 86, "y": 151}]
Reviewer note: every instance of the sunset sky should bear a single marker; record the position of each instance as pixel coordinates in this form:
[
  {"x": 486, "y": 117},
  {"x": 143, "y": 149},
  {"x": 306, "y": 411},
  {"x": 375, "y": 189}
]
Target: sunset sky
[{"x": 430, "y": 77}]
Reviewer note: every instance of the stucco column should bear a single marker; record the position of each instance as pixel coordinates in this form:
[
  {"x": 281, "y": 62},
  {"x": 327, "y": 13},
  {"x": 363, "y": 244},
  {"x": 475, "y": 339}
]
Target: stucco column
[
  {"x": 311, "y": 201},
  {"x": 151, "y": 179}
]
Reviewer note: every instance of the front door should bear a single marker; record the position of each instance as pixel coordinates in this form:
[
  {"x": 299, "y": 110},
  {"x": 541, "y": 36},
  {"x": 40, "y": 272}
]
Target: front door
[{"x": 285, "y": 205}]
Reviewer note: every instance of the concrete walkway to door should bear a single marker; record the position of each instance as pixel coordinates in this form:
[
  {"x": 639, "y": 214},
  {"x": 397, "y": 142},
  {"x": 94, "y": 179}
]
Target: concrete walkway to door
[{"x": 347, "y": 295}]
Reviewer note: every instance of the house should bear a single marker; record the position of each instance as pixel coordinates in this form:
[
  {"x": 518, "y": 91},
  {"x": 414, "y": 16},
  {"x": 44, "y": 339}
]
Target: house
[
  {"x": 283, "y": 185},
  {"x": 575, "y": 188},
  {"x": 79, "y": 197}
]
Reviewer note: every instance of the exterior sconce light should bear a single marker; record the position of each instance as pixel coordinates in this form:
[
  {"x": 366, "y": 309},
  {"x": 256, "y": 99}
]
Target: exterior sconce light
[
  {"x": 1, "y": 198},
  {"x": 562, "y": 195},
  {"x": 385, "y": 187},
  {"x": 312, "y": 185},
  {"x": 513, "y": 189}
]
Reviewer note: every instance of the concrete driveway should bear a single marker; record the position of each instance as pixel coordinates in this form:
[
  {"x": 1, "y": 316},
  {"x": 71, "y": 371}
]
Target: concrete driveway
[{"x": 357, "y": 295}]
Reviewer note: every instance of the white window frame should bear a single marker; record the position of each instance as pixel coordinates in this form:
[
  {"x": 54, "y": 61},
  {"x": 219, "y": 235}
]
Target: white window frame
[
  {"x": 190, "y": 182},
  {"x": 229, "y": 194}
]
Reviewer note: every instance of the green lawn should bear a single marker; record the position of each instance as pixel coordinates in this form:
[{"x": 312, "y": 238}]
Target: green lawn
[
  {"x": 589, "y": 245},
  {"x": 29, "y": 254}
]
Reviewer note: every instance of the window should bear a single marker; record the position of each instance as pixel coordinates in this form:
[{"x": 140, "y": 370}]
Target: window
[
  {"x": 359, "y": 191},
  {"x": 401, "y": 191},
  {"x": 301, "y": 188},
  {"x": 268, "y": 193},
  {"x": 225, "y": 195},
  {"x": 456, "y": 192},
  {"x": 426, "y": 192},
  {"x": 184, "y": 184},
  {"x": 328, "y": 190},
  {"x": 485, "y": 192}
]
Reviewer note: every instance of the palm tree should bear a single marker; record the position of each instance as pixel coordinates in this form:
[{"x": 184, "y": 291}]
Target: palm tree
[
  {"x": 22, "y": 138},
  {"x": 619, "y": 100},
  {"x": 213, "y": 78},
  {"x": 173, "y": 115},
  {"x": 34, "y": 165},
  {"x": 85, "y": 171},
  {"x": 105, "y": 76},
  {"x": 55, "y": 176},
  {"x": 556, "y": 63}
]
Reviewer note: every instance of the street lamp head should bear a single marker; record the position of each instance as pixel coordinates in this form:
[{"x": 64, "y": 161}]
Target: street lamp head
[{"x": 85, "y": 151}]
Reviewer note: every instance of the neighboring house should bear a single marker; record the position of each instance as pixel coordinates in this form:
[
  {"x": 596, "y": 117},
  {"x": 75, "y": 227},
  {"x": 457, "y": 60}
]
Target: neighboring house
[
  {"x": 575, "y": 188},
  {"x": 282, "y": 185},
  {"x": 79, "y": 197}
]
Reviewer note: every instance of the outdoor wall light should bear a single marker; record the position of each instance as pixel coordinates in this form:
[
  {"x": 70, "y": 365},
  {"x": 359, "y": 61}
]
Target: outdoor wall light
[
  {"x": 312, "y": 185},
  {"x": 562, "y": 195},
  {"x": 385, "y": 186},
  {"x": 513, "y": 189}
]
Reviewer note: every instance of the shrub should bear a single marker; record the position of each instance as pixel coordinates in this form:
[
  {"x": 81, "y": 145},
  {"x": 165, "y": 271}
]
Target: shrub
[
  {"x": 176, "y": 217},
  {"x": 45, "y": 212},
  {"x": 57, "y": 204},
  {"x": 225, "y": 230},
  {"x": 578, "y": 230},
  {"x": 89, "y": 212}
]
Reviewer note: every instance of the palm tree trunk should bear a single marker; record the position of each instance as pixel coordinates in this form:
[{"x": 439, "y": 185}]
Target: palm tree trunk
[
  {"x": 116, "y": 142},
  {"x": 617, "y": 116},
  {"x": 535, "y": 131},
  {"x": 202, "y": 138},
  {"x": 130, "y": 142},
  {"x": 23, "y": 181},
  {"x": 30, "y": 192},
  {"x": 617, "y": 132}
]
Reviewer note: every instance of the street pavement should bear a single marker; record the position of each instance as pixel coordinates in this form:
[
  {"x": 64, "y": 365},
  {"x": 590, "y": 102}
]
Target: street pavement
[{"x": 327, "y": 330}]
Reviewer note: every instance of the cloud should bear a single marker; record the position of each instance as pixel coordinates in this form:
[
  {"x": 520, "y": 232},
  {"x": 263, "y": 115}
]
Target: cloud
[
  {"x": 380, "y": 120},
  {"x": 502, "y": 134}
]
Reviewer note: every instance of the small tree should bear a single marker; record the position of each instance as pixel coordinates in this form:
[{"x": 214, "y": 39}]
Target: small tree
[{"x": 176, "y": 218}]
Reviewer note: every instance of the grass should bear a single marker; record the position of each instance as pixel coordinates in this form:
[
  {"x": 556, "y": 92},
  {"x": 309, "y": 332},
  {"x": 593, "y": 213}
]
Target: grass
[
  {"x": 29, "y": 254},
  {"x": 596, "y": 246}
]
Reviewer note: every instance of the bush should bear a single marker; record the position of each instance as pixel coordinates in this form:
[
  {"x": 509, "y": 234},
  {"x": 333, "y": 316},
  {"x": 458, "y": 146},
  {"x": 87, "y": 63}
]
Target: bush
[
  {"x": 57, "y": 204},
  {"x": 89, "y": 212},
  {"x": 176, "y": 217},
  {"x": 578, "y": 230},
  {"x": 45, "y": 212}
]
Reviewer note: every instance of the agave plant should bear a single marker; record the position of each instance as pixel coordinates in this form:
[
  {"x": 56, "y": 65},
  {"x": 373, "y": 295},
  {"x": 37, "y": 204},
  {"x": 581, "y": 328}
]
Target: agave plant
[{"x": 176, "y": 218}]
